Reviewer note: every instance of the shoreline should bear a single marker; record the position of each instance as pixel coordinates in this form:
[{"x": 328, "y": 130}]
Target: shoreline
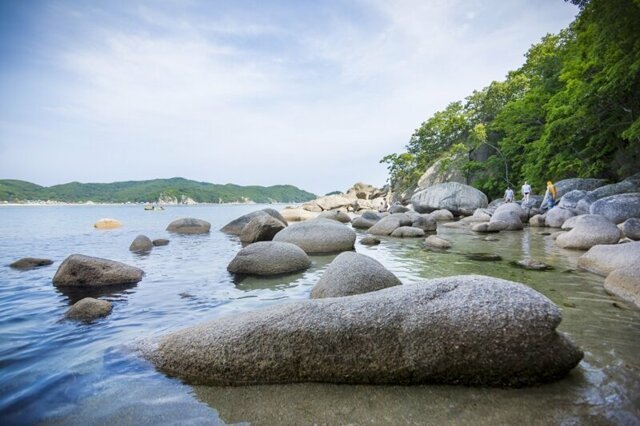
[{"x": 93, "y": 204}]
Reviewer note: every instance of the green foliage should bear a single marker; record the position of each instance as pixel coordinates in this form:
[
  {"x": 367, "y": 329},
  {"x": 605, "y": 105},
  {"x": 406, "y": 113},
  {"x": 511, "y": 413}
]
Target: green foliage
[
  {"x": 150, "y": 191},
  {"x": 571, "y": 110}
]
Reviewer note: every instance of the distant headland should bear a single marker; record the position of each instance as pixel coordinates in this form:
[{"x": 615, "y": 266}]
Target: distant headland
[{"x": 165, "y": 191}]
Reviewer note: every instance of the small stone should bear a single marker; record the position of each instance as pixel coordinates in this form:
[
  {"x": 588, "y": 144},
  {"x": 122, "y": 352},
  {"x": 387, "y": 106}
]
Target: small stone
[
  {"x": 89, "y": 309},
  {"x": 107, "y": 223},
  {"x": 437, "y": 242},
  {"x": 370, "y": 241},
  {"x": 141, "y": 244},
  {"x": 30, "y": 263},
  {"x": 160, "y": 242}
]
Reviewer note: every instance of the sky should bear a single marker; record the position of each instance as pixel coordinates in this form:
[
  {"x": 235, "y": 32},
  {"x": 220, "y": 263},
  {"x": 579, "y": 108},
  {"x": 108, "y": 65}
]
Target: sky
[{"x": 308, "y": 93}]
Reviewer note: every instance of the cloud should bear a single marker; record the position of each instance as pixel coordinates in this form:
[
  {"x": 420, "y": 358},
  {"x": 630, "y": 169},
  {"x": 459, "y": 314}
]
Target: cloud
[{"x": 309, "y": 94}]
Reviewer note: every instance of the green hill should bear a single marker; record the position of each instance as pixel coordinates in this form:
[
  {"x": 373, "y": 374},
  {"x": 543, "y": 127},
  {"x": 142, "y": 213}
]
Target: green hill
[{"x": 150, "y": 191}]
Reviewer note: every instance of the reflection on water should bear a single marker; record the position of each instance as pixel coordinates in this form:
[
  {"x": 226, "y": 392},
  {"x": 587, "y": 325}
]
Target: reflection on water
[{"x": 62, "y": 372}]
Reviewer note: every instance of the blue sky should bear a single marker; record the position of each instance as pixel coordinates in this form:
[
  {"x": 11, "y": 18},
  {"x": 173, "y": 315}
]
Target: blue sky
[{"x": 311, "y": 93}]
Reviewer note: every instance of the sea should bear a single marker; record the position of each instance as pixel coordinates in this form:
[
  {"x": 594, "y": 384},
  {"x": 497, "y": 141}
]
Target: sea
[{"x": 55, "y": 371}]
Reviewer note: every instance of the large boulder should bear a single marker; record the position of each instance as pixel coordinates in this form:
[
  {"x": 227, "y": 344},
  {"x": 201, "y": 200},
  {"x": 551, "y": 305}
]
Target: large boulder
[
  {"x": 617, "y": 208},
  {"x": 538, "y": 220},
  {"x": 407, "y": 232},
  {"x": 236, "y": 226},
  {"x": 261, "y": 228},
  {"x": 27, "y": 263},
  {"x": 629, "y": 185},
  {"x": 398, "y": 208},
  {"x": 361, "y": 223},
  {"x": 85, "y": 271},
  {"x": 189, "y": 225},
  {"x": 471, "y": 330},
  {"x": 424, "y": 221},
  {"x": 329, "y": 202},
  {"x": 603, "y": 259},
  {"x": 352, "y": 273},
  {"x": 509, "y": 217},
  {"x": 269, "y": 258},
  {"x": 363, "y": 191},
  {"x": 625, "y": 283},
  {"x": 107, "y": 223},
  {"x": 388, "y": 224},
  {"x": 297, "y": 214},
  {"x": 568, "y": 185},
  {"x": 514, "y": 208},
  {"x": 318, "y": 236},
  {"x": 631, "y": 229},
  {"x": 436, "y": 174},
  {"x": 571, "y": 199},
  {"x": 337, "y": 215},
  {"x": 555, "y": 217},
  {"x": 141, "y": 244},
  {"x": 458, "y": 198},
  {"x": 89, "y": 309},
  {"x": 588, "y": 231}
]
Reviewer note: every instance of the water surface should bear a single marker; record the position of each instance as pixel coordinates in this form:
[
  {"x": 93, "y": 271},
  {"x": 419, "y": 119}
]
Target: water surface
[{"x": 56, "y": 371}]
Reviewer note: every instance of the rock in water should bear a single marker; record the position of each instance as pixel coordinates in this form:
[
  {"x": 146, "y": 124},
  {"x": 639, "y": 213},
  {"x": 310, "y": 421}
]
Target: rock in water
[
  {"x": 318, "y": 236},
  {"x": 107, "y": 223},
  {"x": 30, "y": 263},
  {"x": 437, "y": 242},
  {"x": 510, "y": 220},
  {"x": 261, "y": 228},
  {"x": 141, "y": 244},
  {"x": 557, "y": 216},
  {"x": 236, "y": 226},
  {"x": 617, "y": 208},
  {"x": 362, "y": 223},
  {"x": 603, "y": 259},
  {"x": 625, "y": 283},
  {"x": 269, "y": 258},
  {"x": 532, "y": 264},
  {"x": 407, "y": 232},
  {"x": 160, "y": 242},
  {"x": 89, "y": 309},
  {"x": 369, "y": 241},
  {"x": 388, "y": 224},
  {"x": 352, "y": 273},
  {"x": 441, "y": 215},
  {"x": 472, "y": 330},
  {"x": 86, "y": 271},
  {"x": 189, "y": 225},
  {"x": 588, "y": 231},
  {"x": 459, "y": 199},
  {"x": 537, "y": 220}
]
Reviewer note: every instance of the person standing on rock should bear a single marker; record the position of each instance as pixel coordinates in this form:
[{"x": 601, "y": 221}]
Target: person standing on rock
[
  {"x": 508, "y": 195},
  {"x": 549, "y": 196},
  {"x": 526, "y": 190}
]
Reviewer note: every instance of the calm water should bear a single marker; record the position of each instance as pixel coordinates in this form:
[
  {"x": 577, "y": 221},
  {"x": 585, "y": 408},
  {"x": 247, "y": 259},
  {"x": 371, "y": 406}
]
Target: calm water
[{"x": 55, "y": 371}]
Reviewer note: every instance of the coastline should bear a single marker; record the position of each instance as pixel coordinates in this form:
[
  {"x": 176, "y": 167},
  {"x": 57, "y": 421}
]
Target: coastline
[{"x": 90, "y": 204}]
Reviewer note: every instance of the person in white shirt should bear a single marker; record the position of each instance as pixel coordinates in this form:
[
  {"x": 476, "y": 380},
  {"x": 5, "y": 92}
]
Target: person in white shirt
[
  {"x": 526, "y": 190},
  {"x": 508, "y": 195}
]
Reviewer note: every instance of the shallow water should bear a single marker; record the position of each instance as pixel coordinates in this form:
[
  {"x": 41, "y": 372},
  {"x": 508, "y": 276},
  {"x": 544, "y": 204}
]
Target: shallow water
[{"x": 55, "y": 371}]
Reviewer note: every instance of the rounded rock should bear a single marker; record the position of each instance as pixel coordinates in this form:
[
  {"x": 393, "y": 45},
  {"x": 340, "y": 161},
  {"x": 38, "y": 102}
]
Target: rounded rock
[
  {"x": 318, "y": 236},
  {"x": 337, "y": 215},
  {"x": 86, "y": 271},
  {"x": 30, "y": 263},
  {"x": 407, "y": 232},
  {"x": 269, "y": 258},
  {"x": 107, "y": 223},
  {"x": 189, "y": 225},
  {"x": 261, "y": 228},
  {"x": 89, "y": 309},
  {"x": 141, "y": 243},
  {"x": 437, "y": 242},
  {"x": 388, "y": 224}
]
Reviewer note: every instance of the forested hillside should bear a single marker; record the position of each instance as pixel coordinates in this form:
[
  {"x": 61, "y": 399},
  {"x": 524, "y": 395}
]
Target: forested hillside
[
  {"x": 572, "y": 110},
  {"x": 151, "y": 191}
]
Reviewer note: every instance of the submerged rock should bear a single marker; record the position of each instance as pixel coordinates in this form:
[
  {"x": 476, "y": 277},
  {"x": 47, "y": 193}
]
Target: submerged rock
[
  {"x": 471, "y": 330},
  {"x": 261, "y": 228},
  {"x": 158, "y": 242},
  {"x": 141, "y": 244},
  {"x": 532, "y": 264},
  {"x": 353, "y": 273},
  {"x": 189, "y": 225},
  {"x": 86, "y": 271},
  {"x": 484, "y": 257},
  {"x": 107, "y": 223},
  {"x": 458, "y": 198},
  {"x": 89, "y": 309},
  {"x": 437, "y": 242},
  {"x": 603, "y": 259},
  {"x": 625, "y": 283},
  {"x": 30, "y": 263},
  {"x": 318, "y": 236},
  {"x": 269, "y": 258}
]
